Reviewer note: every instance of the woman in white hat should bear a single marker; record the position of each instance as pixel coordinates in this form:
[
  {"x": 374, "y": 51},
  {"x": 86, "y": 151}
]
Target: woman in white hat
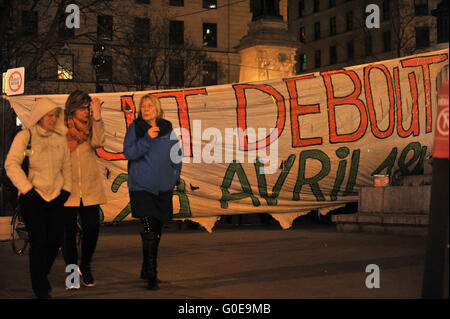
[{"x": 45, "y": 189}]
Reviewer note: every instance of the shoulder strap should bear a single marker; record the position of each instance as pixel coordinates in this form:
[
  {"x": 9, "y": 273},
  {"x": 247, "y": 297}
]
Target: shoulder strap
[
  {"x": 29, "y": 140},
  {"x": 26, "y": 161}
]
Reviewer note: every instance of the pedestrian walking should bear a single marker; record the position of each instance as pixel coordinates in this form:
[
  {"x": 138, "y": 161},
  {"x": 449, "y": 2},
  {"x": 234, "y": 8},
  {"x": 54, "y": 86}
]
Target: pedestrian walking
[
  {"x": 85, "y": 132},
  {"x": 44, "y": 186},
  {"x": 154, "y": 166}
]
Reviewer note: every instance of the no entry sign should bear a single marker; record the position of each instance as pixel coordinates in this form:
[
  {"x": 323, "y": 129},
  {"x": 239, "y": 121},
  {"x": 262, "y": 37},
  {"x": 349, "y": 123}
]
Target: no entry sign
[
  {"x": 15, "y": 81},
  {"x": 441, "y": 133}
]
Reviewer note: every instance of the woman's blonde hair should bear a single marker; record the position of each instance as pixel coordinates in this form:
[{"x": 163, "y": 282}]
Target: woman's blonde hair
[{"x": 156, "y": 103}]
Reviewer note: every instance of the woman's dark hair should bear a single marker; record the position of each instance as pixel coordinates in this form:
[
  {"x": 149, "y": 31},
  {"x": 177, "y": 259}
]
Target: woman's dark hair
[{"x": 75, "y": 100}]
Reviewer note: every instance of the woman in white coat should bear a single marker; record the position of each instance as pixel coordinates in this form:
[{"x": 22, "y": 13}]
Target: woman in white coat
[{"x": 45, "y": 189}]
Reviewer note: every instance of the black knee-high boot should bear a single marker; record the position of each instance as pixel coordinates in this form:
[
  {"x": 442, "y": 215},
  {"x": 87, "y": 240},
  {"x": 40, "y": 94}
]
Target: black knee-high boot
[{"x": 150, "y": 243}]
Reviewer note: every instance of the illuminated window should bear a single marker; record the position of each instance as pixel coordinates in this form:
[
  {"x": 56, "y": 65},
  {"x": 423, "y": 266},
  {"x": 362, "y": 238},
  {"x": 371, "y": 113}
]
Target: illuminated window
[
  {"x": 210, "y": 4},
  {"x": 210, "y": 35},
  {"x": 65, "y": 66}
]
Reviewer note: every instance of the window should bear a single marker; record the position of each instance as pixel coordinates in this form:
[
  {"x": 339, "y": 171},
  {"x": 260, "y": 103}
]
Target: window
[
  {"x": 317, "y": 31},
  {"x": 104, "y": 28},
  {"x": 177, "y": 3},
  {"x": 316, "y": 5},
  {"x": 142, "y": 29},
  {"x": 209, "y": 73},
  {"x": 349, "y": 20},
  {"x": 333, "y": 55},
  {"x": 386, "y": 10},
  {"x": 332, "y": 3},
  {"x": 65, "y": 66},
  {"x": 301, "y": 35},
  {"x": 317, "y": 59},
  {"x": 301, "y": 63},
  {"x": 332, "y": 25},
  {"x": 143, "y": 1},
  {"x": 422, "y": 37},
  {"x": 301, "y": 8},
  {"x": 421, "y": 7},
  {"x": 104, "y": 72},
  {"x": 176, "y": 73},
  {"x": 368, "y": 45},
  {"x": 29, "y": 23},
  {"x": 387, "y": 41},
  {"x": 210, "y": 35},
  {"x": 63, "y": 31},
  {"x": 30, "y": 70},
  {"x": 350, "y": 51},
  {"x": 142, "y": 71},
  {"x": 210, "y": 4},
  {"x": 176, "y": 32}
]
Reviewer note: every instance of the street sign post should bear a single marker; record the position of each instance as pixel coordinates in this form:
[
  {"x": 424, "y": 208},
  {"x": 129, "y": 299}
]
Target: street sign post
[
  {"x": 15, "y": 81},
  {"x": 435, "y": 278}
]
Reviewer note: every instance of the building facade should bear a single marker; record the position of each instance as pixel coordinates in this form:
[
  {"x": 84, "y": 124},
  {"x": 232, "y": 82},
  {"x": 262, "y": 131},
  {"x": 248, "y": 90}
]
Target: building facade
[
  {"x": 209, "y": 29},
  {"x": 334, "y": 33}
]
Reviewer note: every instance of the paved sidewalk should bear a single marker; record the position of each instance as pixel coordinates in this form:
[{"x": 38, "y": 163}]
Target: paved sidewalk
[{"x": 309, "y": 260}]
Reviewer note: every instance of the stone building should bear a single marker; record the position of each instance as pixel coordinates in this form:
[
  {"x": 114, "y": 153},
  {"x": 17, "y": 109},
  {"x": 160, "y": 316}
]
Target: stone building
[
  {"x": 333, "y": 33},
  {"x": 211, "y": 27}
]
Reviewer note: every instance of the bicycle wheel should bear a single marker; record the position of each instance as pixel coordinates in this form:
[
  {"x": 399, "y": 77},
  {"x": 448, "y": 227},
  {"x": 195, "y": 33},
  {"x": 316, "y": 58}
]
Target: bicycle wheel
[{"x": 19, "y": 234}]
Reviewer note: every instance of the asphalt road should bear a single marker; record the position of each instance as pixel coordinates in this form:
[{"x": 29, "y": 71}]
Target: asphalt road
[{"x": 308, "y": 261}]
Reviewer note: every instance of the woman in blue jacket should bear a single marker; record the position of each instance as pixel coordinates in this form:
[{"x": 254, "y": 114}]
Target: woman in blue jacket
[{"x": 154, "y": 165}]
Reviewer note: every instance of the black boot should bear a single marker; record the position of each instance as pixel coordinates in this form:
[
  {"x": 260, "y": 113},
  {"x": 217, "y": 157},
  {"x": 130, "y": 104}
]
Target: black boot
[{"x": 150, "y": 243}]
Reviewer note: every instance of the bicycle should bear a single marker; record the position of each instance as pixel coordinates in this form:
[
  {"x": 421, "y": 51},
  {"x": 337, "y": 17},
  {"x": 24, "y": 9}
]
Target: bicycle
[{"x": 19, "y": 233}]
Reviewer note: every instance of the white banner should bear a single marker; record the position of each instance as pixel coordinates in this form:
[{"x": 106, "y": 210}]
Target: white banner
[{"x": 284, "y": 146}]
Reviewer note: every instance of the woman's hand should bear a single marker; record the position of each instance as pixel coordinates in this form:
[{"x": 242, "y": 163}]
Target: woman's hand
[
  {"x": 153, "y": 131},
  {"x": 96, "y": 109}
]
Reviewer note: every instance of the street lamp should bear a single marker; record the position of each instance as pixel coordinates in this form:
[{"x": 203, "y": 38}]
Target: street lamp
[{"x": 98, "y": 61}]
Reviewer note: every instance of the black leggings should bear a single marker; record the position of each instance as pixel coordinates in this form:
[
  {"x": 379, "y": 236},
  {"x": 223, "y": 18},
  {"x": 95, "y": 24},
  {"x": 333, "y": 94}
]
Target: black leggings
[
  {"x": 90, "y": 224},
  {"x": 151, "y": 225}
]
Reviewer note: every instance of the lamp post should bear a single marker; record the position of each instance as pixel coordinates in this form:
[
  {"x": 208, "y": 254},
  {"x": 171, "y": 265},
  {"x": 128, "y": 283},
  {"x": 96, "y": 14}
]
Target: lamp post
[{"x": 98, "y": 61}]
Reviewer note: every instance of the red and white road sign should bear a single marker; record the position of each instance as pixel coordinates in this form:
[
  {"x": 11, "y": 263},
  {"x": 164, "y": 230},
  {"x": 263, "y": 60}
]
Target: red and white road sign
[
  {"x": 441, "y": 133},
  {"x": 15, "y": 81}
]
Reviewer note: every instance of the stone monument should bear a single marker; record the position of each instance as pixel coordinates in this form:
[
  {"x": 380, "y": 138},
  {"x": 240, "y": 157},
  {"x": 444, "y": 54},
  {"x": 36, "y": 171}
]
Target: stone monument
[{"x": 268, "y": 49}]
